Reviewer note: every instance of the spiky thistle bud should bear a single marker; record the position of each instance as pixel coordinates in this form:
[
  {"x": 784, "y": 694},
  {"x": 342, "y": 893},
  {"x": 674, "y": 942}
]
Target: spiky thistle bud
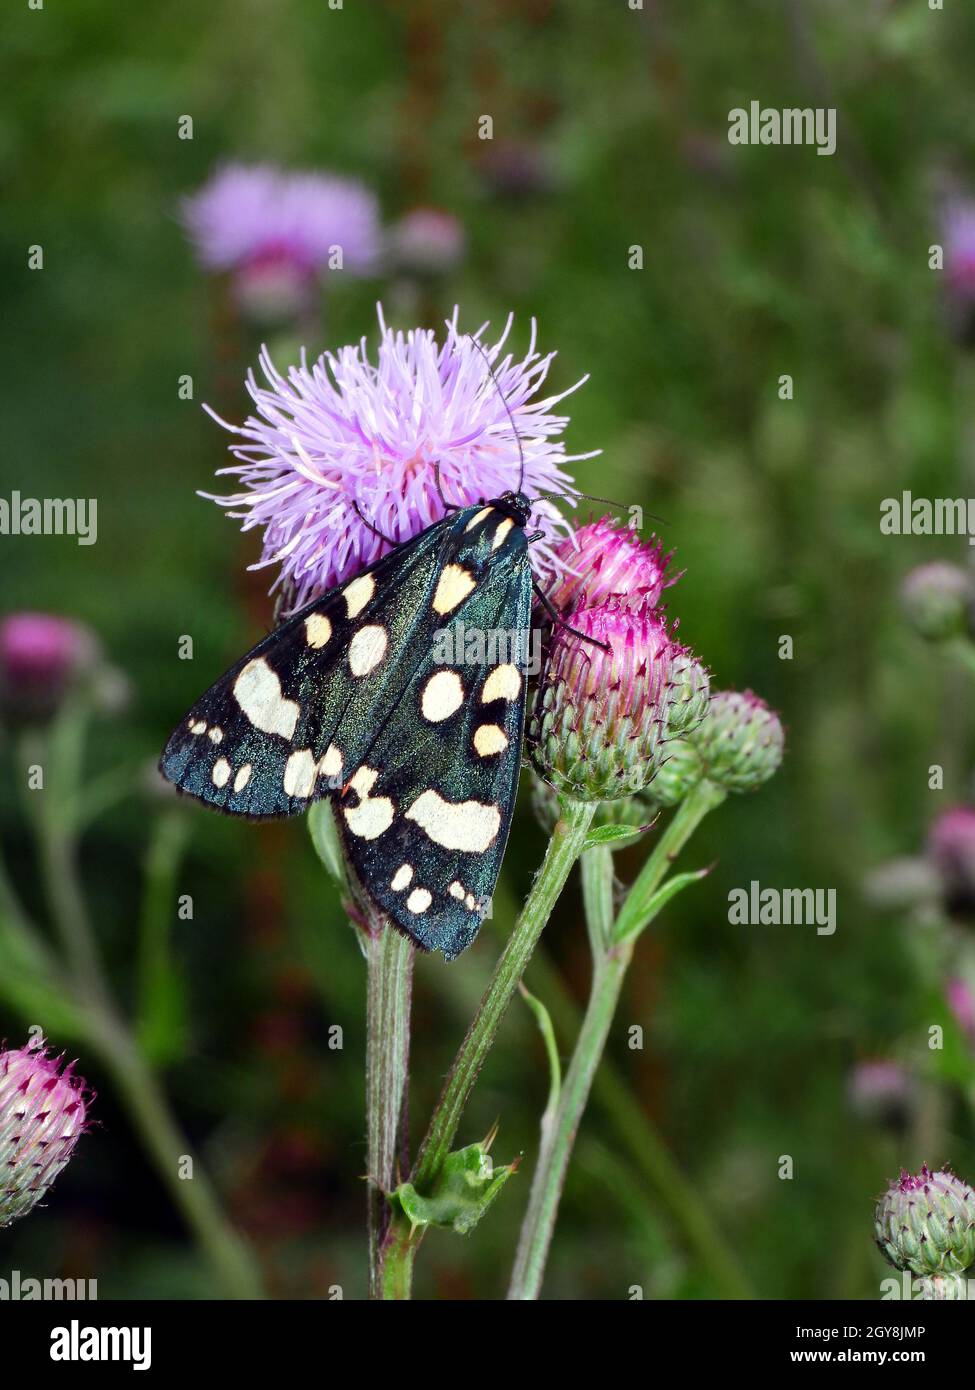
[
  {"x": 603, "y": 560},
  {"x": 690, "y": 694},
  {"x": 679, "y": 772},
  {"x": 925, "y": 1222},
  {"x": 936, "y": 598},
  {"x": 740, "y": 741},
  {"x": 601, "y": 702},
  {"x": 43, "y": 1107}
]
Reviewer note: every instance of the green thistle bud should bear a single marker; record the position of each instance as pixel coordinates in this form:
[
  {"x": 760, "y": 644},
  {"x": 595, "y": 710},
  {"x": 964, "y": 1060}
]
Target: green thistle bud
[
  {"x": 740, "y": 741},
  {"x": 926, "y": 1223},
  {"x": 599, "y": 709},
  {"x": 690, "y": 693},
  {"x": 936, "y": 598},
  {"x": 680, "y": 771},
  {"x": 42, "y": 1114}
]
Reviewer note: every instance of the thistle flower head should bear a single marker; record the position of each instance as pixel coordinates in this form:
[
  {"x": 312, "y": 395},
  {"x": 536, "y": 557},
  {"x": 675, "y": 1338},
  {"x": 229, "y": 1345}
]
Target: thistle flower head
[
  {"x": 925, "y": 1222},
  {"x": 601, "y": 703},
  {"x": 740, "y": 741},
  {"x": 427, "y": 242},
  {"x": 881, "y": 1091},
  {"x": 936, "y": 600},
  {"x": 961, "y": 1002},
  {"x": 951, "y": 849},
  {"x": 40, "y": 656},
  {"x": 43, "y": 1106},
  {"x": 246, "y": 214},
  {"x": 345, "y": 447},
  {"x": 679, "y": 772},
  {"x": 603, "y": 560}
]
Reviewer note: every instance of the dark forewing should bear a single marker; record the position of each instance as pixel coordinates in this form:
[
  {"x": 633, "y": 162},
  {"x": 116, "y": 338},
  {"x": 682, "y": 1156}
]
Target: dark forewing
[{"x": 427, "y": 814}]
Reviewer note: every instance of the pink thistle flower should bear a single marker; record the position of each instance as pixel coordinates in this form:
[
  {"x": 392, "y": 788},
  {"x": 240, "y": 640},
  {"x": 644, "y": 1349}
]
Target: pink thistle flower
[
  {"x": 603, "y": 560},
  {"x": 277, "y": 231},
  {"x": 880, "y": 1090},
  {"x": 961, "y": 1002},
  {"x": 951, "y": 849},
  {"x": 427, "y": 241},
  {"x": 958, "y": 234},
  {"x": 40, "y": 655},
  {"x": 346, "y": 436},
  {"x": 43, "y": 1108}
]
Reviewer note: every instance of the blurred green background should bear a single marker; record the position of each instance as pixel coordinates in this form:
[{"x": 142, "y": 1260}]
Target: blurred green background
[{"x": 757, "y": 262}]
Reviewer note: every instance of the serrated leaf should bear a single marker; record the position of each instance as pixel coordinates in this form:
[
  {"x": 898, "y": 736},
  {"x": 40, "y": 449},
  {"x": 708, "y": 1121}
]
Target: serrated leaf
[{"x": 467, "y": 1185}]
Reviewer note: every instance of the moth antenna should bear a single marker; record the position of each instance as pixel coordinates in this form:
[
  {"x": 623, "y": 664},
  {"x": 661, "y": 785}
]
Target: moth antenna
[
  {"x": 507, "y": 409},
  {"x": 607, "y": 501},
  {"x": 374, "y": 529}
]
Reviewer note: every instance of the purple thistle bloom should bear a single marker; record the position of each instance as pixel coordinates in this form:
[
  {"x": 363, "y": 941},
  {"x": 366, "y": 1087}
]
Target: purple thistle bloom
[
  {"x": 603, "y": 560},
  {"x": 277, "y": 231},
  {"x": 345, "y": 433},
  {"x": 959, "y": 243},
  {"x": 41, "y": 654}
]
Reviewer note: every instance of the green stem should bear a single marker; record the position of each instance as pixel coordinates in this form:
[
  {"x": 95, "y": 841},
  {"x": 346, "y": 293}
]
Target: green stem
[
  {"x": 610, "y": 963},
  {"x": 563, "y": 850},
  {"x": 557, "y": 1142},
  {"x": 389, "y": 960}
]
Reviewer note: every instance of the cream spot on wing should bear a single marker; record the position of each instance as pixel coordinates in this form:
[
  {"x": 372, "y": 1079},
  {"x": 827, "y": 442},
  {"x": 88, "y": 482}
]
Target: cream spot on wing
[
  {"x": 258, "y": 692},
  {"x": 374, "y": 814},
  {"x": 299, "y": 773},
  {"x": 465, "y": 825},
  {"x": 330, "y": 764},
  {"x": 442, "y": 695},
  {"x": 489, "y": 739},
  {"x": 478, "y": 518},
  {"x": 456, "y": 890},
  {"x": 453, "y": 586},
  {"x": 499, "y": 536},
  {"x": 358, "y": 593},
  {"x": 200, "y": 727},
  {"x": 243, "y": 777},
  {"x": 318, "y": 629},
  {"x": 419, "y": 900},
  {"x": 504, "y": 683},
  {"x": 221, "y": 772},
  {"x": 402, "y": 878},
  {"x": 470, "y": 902},
  {"x": 367, "y": 649},
  {"x": 216, "y": 734}
]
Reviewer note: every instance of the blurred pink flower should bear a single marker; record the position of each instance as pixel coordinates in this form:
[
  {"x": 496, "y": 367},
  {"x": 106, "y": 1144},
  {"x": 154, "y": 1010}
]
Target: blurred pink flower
[
  {"x": 40, "y": 655},
  {"x": 427, "y": 241}
]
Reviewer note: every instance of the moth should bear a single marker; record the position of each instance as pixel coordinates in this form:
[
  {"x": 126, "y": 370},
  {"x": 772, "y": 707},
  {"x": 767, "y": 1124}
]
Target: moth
[{"x": 353, "y": 698}]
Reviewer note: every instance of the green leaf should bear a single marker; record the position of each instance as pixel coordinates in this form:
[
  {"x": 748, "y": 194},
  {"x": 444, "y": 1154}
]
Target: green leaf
[
  {"x": 325, "y": 838},
  {"x": 612, "y": 834},
  {"x": 544, "y": 1020},
  {"x": 635, "y": 916},
  {"x": 467, "y": 1185}
]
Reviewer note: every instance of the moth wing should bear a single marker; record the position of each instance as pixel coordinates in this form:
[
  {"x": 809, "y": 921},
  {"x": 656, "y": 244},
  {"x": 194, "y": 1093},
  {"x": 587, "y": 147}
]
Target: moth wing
[
  {"x": 261, "y": 741},
  {"x": 426, "y": 816}
]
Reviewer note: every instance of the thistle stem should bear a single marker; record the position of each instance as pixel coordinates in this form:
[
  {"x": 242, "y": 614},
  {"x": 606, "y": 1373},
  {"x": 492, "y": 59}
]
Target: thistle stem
[
  {"x": 611, "y": 958},
  {"x": 563, "y": 850},
  {"x": 389, "y": 961}
]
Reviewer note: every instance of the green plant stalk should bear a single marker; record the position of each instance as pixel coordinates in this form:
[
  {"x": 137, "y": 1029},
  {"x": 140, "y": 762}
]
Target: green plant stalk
[
  {"x": 610, "y": 964},
  {"x": 389, "y": 961},
  {"x": 563, "y": 850},
  {"x": 54, "y": 828}
]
